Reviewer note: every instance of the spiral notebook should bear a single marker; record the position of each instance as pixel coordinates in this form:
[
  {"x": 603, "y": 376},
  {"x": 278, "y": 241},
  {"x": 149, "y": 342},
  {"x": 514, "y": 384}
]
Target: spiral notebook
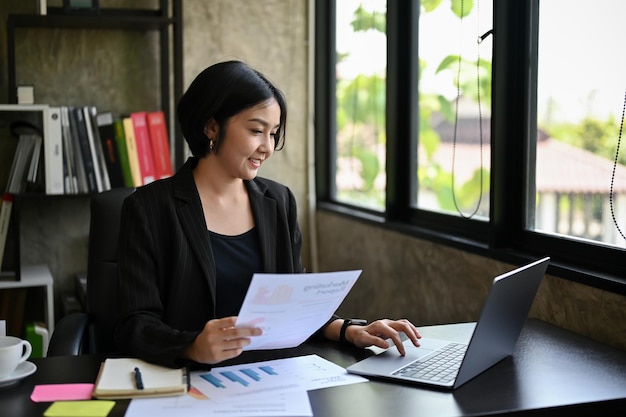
[{"x": 121, "y": 378}]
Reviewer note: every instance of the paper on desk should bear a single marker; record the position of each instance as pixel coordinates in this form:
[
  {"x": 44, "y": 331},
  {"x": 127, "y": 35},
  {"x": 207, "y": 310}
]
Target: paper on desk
[
  {"x": 276, "y": 388},
  {"x": 61, "y": 392},
  {"x": 291, "y": 307},
  {"x": 301, "y": 373},
  {"x": 94, "y": 408},
  {"x": 293, "y": 404}
]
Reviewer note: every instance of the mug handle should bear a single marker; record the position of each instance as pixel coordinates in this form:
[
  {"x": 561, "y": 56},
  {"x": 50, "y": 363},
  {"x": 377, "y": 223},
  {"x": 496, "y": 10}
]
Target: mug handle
[{"x": 28, "y": 349}]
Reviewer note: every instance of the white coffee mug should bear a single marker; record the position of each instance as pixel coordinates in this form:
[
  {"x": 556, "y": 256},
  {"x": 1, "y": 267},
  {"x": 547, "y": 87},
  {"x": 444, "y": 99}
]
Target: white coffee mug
[{"x": 13, "y": 351}]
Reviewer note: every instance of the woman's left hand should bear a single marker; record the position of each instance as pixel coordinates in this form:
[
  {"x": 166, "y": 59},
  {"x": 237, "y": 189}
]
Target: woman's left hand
[{"x": 377, "y": 333}]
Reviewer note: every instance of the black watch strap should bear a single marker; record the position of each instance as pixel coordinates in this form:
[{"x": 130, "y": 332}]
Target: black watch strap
[{"x": 349, "y": 322}]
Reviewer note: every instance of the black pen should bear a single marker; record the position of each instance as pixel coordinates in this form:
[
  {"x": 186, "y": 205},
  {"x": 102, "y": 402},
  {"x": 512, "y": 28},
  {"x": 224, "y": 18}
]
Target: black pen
[{"x": 138, "y": 379}]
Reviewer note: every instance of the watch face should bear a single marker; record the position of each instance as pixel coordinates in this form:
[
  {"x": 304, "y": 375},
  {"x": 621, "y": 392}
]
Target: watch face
[
  {"x": 80, "y": 6},
  {"x": 358, "y": 322}
]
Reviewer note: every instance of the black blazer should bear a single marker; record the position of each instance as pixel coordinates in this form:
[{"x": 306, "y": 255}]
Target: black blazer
[{"x": 167, "y": 274}]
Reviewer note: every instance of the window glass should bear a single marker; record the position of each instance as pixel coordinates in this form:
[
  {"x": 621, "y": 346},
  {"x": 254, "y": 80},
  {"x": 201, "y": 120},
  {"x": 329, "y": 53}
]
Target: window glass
[
  {"x": 360, "y": 113},
  {"x": 454, "y": 108},
  {"x": 580, "y": 184}
]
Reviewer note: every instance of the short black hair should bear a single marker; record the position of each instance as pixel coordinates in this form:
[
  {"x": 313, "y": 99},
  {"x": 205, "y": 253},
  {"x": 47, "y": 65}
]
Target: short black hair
[{"x": 220, "y": 92}]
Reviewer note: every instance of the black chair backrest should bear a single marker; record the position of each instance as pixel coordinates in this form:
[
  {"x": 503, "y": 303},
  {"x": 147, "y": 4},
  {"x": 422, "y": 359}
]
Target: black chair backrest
[{"x": 104, "y": 231}]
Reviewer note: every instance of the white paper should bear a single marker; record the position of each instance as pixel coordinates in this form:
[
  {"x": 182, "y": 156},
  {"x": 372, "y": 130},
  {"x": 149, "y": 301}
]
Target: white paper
[
  {"x": 301, "y": 373},
  {"x": 291, "y": 307},
  {"x": 293, "y": 404},
  {"x": 286, "y": 380}
]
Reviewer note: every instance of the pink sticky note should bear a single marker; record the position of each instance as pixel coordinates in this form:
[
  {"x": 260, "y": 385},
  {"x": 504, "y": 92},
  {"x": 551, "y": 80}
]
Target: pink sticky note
[{"x": 61, "y": 392}]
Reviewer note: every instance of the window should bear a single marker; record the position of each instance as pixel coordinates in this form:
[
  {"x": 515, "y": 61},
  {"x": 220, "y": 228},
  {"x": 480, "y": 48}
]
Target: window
[
  {"x": 360, "y": 93},
  {"x": 480, "y": 153},
  {"x": 454, "y": 104},
  {"x": 580, "y": 100}
]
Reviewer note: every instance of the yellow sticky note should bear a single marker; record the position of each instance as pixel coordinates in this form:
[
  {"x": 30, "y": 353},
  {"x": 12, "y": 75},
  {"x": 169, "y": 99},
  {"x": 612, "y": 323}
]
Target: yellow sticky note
[{"x": 93, "y": 408}]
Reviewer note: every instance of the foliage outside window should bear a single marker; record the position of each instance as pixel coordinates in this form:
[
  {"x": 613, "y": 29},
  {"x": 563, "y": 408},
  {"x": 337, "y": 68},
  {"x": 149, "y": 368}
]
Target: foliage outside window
[
  {"x": 360, "y": 113},
  {"x": 454, "y": 107},
  {"x": 557, "y": 182},
  {"x": 447, "y": 72},
  {"x": 580, "y": 188}
]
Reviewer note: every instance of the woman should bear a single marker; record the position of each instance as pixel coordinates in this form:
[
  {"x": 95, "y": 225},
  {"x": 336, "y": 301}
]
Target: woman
[{"x": 189, "y": 244}]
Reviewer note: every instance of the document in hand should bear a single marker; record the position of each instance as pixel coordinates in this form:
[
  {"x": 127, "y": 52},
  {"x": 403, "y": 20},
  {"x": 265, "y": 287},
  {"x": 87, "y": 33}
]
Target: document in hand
[
  {"x": 291, "y": 307},
  {"x": 133, "y": 378}
]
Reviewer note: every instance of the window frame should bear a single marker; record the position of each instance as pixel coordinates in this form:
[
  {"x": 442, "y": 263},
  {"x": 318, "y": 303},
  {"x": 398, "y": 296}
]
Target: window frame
[{"x": 513, "y": 125}]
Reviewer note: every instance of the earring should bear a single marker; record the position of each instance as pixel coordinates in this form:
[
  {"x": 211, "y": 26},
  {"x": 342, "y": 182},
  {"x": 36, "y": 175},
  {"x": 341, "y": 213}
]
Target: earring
[{"x": 211, "y": 143}]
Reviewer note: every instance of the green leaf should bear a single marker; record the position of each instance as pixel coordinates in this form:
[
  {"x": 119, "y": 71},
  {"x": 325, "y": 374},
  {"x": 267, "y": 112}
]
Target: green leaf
[
  {"x": 430, "y": 5},
  {"x": 451, "y": 61},
  {"x": 461, "y": 8},
  {"x": 430, "y": 140},
  {"x": 363, "y": 99},
  {"x": 369, "y": 166},
  {"x": 446, "y": 108},
  {"x": 364, "y": 21}
]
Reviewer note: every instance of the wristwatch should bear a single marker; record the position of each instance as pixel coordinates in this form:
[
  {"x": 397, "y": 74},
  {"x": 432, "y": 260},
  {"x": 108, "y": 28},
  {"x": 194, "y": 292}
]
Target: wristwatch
[{"x": 349, "y": 322}]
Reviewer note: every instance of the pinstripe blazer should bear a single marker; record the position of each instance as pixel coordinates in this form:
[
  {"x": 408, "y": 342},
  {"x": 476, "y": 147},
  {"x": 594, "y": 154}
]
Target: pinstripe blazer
[{"x": 167, "y": 274}]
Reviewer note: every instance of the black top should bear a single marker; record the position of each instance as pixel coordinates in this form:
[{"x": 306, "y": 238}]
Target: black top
[{"x": 236, "y": 259}]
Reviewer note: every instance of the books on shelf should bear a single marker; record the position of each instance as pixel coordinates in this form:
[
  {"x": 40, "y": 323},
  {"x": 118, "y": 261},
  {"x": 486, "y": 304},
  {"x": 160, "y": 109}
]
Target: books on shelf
[
  {"x": 5, "y": 218},
  {"x": 102, "y": 176},
  {"x": 53, "y": 151},
  {"x": 24, "y": 169},
  {"x": 160, "y": 144},
  {"x": 79, "y": 127},
  {"x": 25, "y": 162},
  {"x": 147, "y": 145},
  {"x": 33, "y": 166},
  {"x": 131, "y": 147},
  {"x": 72, "y": 165},
  {"x": 109, "y": 149},
  {"x": 122, "y": 149},
  {"x": 81, "y": 150},
  {"x": 102, "y": 151},
  {"x": 144, "y": 147}
]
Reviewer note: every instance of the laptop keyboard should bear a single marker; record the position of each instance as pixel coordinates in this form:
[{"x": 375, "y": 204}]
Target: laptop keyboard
[{"x": 443, "y": 366}]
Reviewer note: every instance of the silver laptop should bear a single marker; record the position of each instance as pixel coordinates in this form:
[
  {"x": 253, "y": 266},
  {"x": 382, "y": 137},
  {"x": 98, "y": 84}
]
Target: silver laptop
[{"x": 447, "y": 364}]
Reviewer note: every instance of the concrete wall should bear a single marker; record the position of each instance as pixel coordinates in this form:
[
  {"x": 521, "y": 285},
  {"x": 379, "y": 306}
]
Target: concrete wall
[{"x": 272, "y": 36}]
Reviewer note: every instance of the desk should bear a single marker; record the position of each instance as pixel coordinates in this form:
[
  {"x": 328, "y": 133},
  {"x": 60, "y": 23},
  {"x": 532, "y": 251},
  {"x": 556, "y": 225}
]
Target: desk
[{"x": 553, "y": 372}]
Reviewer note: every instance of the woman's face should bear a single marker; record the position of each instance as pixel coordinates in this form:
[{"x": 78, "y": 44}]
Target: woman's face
[{"x": 249, "y": 140}]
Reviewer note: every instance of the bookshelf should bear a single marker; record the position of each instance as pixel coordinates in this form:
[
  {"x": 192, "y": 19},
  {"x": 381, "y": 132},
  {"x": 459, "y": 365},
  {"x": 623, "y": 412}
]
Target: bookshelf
[
  {"x": 160, "y": 29},
  {"x": 167, "y": 21}
]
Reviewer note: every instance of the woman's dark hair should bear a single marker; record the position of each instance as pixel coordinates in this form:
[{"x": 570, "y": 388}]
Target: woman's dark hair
[{"x": 220, "y": 92}]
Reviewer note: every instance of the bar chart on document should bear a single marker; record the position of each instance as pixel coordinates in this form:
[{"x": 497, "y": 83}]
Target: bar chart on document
[
  {"x": 247, "y": 376},
  {"x": 299, "y": 373}
]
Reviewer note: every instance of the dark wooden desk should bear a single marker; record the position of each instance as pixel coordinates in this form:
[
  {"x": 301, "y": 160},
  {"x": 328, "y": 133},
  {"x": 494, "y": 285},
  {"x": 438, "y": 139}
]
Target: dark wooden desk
[{"x": 552, "y": 372}]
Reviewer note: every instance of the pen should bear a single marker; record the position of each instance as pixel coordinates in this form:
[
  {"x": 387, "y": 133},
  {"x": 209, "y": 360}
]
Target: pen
[{"x": 138, "y": 379}]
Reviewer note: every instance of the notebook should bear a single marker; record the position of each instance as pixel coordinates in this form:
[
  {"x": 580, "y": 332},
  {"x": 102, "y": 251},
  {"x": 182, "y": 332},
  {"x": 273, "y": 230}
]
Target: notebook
[
  {"x": 494, "y": 338},
  {"x": 121, "y": 378}
]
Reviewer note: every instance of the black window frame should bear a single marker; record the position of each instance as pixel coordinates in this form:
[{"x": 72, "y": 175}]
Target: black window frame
[{"x": 513, "y": 126}]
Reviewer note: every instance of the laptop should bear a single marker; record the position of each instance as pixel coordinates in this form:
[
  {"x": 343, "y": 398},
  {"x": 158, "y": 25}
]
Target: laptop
[{"x": 448, "y": 364}]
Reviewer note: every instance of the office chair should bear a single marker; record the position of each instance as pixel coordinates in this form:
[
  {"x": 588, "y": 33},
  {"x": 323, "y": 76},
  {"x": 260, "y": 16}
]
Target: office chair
[{"x": 92, "y": 331}]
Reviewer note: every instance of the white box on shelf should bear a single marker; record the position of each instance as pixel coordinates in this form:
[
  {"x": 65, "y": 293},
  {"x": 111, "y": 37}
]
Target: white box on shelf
[
  {"x": 32, "y": 276},
  {"x": 48, "y": 120}
]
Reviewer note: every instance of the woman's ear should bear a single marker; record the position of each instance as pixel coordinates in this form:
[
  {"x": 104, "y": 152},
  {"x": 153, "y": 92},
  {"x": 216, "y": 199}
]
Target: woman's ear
[{"x": 211, "y": 129}]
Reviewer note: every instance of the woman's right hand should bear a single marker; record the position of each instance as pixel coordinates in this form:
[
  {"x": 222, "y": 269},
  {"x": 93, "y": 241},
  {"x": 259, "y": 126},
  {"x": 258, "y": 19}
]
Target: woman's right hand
[{"x": 220, "y": 340}]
